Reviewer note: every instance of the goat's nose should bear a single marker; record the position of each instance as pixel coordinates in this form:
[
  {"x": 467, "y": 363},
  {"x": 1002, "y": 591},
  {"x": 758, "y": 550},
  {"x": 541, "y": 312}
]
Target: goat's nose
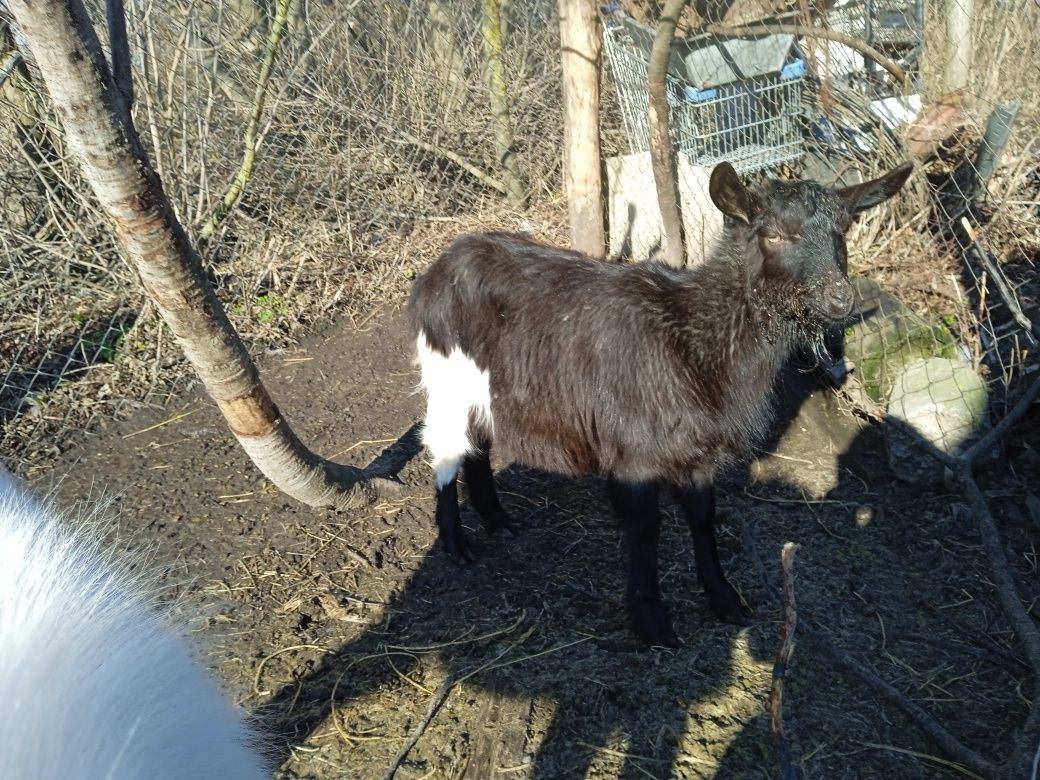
[{"x": 841, "y": 301}]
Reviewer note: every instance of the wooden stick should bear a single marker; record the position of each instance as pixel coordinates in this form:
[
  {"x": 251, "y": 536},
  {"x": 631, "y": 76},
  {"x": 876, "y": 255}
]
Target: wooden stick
[{"x": 783, "y": 657}]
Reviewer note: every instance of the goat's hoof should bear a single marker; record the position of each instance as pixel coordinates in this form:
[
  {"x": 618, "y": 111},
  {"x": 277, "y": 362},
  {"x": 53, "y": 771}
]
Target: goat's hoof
[
  {"x": 729, "y": 607},
  {"x": 653, "y": 627},
  {"x": 499, "y": 523},
  {"x": 458, "y": 551}
]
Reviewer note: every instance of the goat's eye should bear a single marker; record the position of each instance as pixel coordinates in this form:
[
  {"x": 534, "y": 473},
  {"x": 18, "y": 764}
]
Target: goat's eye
[{"x": 774, "y": 239}]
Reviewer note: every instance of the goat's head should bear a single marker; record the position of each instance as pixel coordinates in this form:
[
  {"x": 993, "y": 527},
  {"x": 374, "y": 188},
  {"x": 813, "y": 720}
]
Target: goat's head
[{"x": 793, "y": 236}]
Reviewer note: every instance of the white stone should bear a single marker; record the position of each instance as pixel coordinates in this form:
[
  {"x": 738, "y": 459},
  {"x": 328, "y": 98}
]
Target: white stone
[{"x": 947, "y": 405}]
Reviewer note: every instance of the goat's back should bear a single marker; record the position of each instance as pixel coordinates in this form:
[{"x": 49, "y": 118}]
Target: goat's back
[
  {"x": 92, "y": 683},
  {"x": 597, "y": 367}
]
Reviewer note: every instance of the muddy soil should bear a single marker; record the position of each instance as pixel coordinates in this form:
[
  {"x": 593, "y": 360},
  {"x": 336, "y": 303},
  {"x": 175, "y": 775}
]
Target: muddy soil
[{"x": 337, "y": 629}]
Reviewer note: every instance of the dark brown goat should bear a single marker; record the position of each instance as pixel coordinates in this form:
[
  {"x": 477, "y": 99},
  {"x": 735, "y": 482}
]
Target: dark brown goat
[{"x": 644, "y": 374}]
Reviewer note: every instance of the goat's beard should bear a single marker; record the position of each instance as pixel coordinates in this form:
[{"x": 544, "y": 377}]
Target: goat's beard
[
  {"x": 786, "y": 318},
  {"x": 816, "y": 349}
]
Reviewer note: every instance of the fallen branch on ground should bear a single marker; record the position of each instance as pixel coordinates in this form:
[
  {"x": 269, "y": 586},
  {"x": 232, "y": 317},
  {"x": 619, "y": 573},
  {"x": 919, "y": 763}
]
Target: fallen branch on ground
[{"x": 918, "y": 716}]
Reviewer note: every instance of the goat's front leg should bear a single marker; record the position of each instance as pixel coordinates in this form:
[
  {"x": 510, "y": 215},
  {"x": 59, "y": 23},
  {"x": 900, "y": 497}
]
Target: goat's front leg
[
  {"x": 635, "y": 505},
  {"x": 698, "y": 504}
]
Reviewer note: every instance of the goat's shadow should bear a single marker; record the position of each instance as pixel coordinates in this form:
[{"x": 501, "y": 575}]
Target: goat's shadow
[
  {"x": 555, "y": 592},
  {"x": 561, "y": 580}
]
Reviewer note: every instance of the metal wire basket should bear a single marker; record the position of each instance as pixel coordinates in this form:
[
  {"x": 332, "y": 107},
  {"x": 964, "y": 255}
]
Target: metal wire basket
[{"x": 750, "y": 122}]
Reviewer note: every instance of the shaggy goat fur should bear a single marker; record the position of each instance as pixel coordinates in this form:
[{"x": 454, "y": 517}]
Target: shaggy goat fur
[
  {"x": 93, "y": 684},
  {"x": 642, "y": 373}
]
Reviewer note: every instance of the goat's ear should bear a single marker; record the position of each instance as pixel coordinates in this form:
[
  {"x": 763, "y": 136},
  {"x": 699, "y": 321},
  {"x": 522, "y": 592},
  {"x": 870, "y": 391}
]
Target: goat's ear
[
  {"x": 860, "y": 197},
  {"x": 729, "y": 194}
]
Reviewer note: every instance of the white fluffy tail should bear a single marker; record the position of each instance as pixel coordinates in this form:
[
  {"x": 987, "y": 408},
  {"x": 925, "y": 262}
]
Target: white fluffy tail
[
  {"x": 457, "y": 391},
  {"x": 94, "y": 684}
]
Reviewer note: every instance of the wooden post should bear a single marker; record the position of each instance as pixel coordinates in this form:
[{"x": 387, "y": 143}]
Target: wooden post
[
  {"x": 580, "y": 44},
  {"x": 958, "y": 44}
]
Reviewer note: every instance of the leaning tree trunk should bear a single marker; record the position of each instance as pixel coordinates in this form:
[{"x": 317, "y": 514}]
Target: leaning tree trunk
[
  {"x": 580, "y": 45},
  {"x": 94, "y": 114}
]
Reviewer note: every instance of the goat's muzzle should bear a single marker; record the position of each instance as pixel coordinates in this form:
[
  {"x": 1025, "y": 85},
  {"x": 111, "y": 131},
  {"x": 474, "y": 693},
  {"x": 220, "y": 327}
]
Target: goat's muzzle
[{"x": 838, "y": 301}]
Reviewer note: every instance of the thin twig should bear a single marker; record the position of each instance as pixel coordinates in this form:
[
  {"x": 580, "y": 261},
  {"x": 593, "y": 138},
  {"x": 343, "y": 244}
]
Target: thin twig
[
  {"x": 245, "y": 171},
  {"x": 924, "y": 756},
  {"x": 438, "y": 699},
  {"x": 484, "y": 178},
  {"x": 1001, "y": 281}
]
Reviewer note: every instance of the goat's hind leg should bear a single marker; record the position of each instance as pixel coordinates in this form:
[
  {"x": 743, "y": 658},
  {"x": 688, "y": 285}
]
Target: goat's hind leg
[
  {"x": 698, "y": 504},
  {"x": 449, "y": 522},
  {"x": 480, "y": 484},
  {"x": 635, "y": 504}
]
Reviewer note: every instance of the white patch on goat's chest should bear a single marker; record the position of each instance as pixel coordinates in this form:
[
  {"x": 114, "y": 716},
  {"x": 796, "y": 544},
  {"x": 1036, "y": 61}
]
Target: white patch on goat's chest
[{"x": 456, "y": 389}]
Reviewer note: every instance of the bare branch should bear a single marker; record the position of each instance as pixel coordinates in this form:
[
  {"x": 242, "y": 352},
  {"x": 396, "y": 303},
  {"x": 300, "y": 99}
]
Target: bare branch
[
  {"x": 783, "y": 658},
  {"x": 249, "y": 141}
]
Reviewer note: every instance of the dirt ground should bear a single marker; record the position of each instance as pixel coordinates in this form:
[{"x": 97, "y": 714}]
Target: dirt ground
[{"x": 337, "y": 629}]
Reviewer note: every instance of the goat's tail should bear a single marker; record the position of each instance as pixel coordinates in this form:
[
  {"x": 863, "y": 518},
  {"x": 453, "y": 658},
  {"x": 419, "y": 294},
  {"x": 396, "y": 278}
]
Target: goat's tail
[{"x": 93, "y": 683}]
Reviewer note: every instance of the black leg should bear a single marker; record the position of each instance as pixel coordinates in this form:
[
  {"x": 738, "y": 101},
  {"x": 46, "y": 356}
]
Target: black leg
[
  {"x": 450, "y": 524},
  {"x": 698, "y": 504},
  {"x": 636, "y": 508},
  {"x": 480, "y": 483}
]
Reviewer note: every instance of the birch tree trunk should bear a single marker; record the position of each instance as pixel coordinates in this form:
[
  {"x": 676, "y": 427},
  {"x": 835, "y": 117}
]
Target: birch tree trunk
[
  {"x": 580, "y": 45},
  {"x": 91, "y": 110}
]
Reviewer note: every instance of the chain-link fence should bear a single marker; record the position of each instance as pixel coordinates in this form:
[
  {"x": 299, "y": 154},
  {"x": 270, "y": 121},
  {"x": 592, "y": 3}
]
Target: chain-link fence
[
  {"x": 378, "y": 141},
  {"x": 840, "y": 92}
]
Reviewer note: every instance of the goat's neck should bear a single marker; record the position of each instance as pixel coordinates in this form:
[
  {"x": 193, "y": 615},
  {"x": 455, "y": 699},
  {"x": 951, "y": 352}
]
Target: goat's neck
[{"x": 734, "y": 324}]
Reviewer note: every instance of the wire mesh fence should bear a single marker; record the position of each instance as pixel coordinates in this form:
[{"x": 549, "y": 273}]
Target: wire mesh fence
[
  {"x": 840, "y": 92},
  {"x": 378, "y": 139}
]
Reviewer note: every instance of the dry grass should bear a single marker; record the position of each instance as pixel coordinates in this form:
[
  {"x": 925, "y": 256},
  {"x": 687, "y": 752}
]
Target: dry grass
[{"x": 360, "y": 183}]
